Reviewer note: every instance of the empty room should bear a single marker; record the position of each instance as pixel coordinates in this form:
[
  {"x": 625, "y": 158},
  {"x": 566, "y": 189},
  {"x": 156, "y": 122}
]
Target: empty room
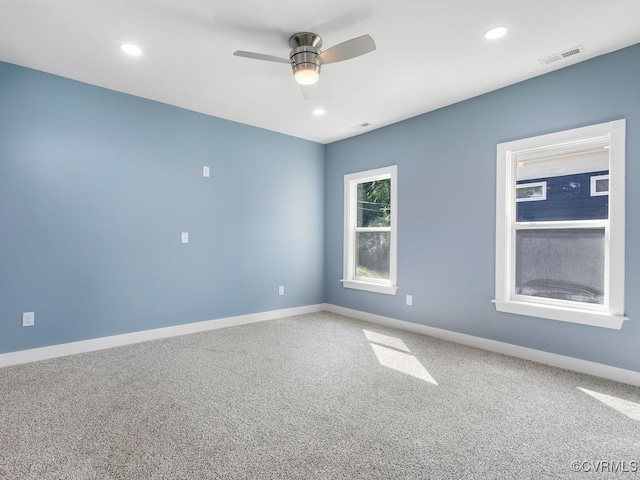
[{"x": 347, "y": 240}]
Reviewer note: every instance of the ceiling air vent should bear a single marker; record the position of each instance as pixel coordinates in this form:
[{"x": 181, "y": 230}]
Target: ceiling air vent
[
  {"x": 361, "y": 125},
  {"x": 562, "y": 55}
]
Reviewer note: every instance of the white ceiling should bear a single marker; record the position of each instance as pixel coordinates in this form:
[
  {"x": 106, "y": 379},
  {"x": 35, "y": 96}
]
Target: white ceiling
[{"x": 429, "y": 53}]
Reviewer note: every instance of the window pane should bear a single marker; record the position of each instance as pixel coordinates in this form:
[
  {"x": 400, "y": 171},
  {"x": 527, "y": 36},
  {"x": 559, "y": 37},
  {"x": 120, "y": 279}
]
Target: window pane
[
  {"x": 569, "y": 172},
  {"x": 602, "y": 185},
  {"x": 372, "y": 255},
  {"x": 566, "y": 264},
  {"x": 568, "y": 197},
  {"x": 533, "y": 192},
  {"x": 374, "y": 203}
]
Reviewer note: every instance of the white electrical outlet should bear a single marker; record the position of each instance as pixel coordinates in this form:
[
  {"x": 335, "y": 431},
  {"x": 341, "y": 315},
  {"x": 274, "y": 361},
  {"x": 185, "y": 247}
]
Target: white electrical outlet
[
  {"x": 409, "y": 300},
  {"x": 184, "y": 237},
  {"x": 205, "y": 171},
  {"x": 28, "y": 319},
  {"x": 281, "y": 290}
]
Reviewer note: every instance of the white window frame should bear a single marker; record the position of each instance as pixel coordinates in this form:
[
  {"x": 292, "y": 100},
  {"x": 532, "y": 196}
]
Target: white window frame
[
  {"x": 611, "y": 313},
  {"x": 349, "y": 279},
  {"x": 529, "y": 185},
  {"x": 594, "y": 182}
]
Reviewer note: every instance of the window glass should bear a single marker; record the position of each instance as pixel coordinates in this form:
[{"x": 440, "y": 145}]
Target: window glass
[
  {"x": 374, "y": 203},
  {"x": 600, "y": 185},
  {"x": 561, "y": 263},
  {"x": 566, "y": 264},
  {"x": 568, "y": 179},
  {"x": 531, "y": 191},
  {"x": 373, "y": 255}
]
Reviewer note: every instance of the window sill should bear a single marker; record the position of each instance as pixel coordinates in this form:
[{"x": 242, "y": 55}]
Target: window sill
[
  {"x": 370, "y": 286},
  {"x": 564, "y": 314}
]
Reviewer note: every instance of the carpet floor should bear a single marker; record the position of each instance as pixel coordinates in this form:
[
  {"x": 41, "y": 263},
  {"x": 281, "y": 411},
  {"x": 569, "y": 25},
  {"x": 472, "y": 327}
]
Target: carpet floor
[{"x": 316, "y": 396}]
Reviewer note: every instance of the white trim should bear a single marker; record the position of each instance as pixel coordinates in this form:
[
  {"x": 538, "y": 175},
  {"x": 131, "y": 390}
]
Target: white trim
[
  {"x": 508, "y": 156},
  {"x": 594, "y": 185},
  {"x": 562, "y": 224},
  {"x": 616, "y": 239},
  {"x": 617, "y": 374},
  {"x": 64, "y": 349},
  {"x": 529, "y": 185},
  {"x": 349, "y": 280},
  {"x": 370, "y": 286},
  {"x": 562, "y": 313}
]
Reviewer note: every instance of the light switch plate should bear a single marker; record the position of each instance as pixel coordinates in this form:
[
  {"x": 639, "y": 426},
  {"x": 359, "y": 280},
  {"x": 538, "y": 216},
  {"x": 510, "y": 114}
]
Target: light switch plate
[
  {"x": 28, "y": 319},
  {"x": 184, "y": 237},
  {"x": 205, "y": 171}
]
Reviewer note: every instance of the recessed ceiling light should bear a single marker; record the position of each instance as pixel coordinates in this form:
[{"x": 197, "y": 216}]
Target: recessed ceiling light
[
  {"x": 131, "y": 49},
  {"x": 495, "y": 33},
  {"x": 319, "y": 111}
]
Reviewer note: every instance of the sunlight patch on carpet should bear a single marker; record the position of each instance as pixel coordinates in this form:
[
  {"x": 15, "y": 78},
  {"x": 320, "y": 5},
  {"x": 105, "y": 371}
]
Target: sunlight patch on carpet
[
  {"x": 392, "y": 352},
  {"x": 630, "y": 409},
  {"x": 385, "y": 340}
]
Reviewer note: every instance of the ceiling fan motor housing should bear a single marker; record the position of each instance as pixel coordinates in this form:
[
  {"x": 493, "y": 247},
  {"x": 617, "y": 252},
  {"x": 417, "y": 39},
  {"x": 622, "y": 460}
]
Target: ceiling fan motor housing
[{"x": 306, "y": 51}]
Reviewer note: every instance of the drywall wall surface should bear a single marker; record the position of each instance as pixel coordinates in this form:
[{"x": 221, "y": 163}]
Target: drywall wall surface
[
  {"x": 96, "y": 188},
  {"x": 446, "y": 206}
]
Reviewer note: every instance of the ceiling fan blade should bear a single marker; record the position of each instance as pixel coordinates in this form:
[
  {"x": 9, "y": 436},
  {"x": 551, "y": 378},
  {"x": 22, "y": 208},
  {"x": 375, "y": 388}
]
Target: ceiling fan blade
[
  {"x": 261, "y": 56},
  {"x": 349, "y": 49}
]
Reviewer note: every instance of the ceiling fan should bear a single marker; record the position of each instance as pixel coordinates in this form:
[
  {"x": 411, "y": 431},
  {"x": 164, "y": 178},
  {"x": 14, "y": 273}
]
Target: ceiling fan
[{"x": 306, "y": 58}]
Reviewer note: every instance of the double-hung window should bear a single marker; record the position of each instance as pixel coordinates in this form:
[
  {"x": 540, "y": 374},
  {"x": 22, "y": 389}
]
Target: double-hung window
[
  {"x": 370, "y": 214},
  {"x": 562, "y": 257},
  {"x": 599, "y": 185}
]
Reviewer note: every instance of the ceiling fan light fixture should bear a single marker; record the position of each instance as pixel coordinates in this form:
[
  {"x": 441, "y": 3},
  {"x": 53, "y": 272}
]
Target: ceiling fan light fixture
[{"x": 306, "y": 73}]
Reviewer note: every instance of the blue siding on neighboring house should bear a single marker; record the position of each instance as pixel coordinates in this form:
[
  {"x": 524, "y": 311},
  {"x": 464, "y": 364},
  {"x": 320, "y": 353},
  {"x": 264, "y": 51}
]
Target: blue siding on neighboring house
[{"x": 568, "y": 198}]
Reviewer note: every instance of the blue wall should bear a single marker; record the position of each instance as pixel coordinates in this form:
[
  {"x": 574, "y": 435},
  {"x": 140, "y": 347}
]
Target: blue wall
[
  {"x": 96, "y": 186},
  {"x": 95, "y": 189},
  {"x": 446, "y": 200}
]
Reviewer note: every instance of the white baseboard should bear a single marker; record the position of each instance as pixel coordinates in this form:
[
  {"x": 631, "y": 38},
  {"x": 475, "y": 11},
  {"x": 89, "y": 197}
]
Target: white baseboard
[
  {"x": 568, "y": 363},
  {"x": 61, "y": 350}
]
